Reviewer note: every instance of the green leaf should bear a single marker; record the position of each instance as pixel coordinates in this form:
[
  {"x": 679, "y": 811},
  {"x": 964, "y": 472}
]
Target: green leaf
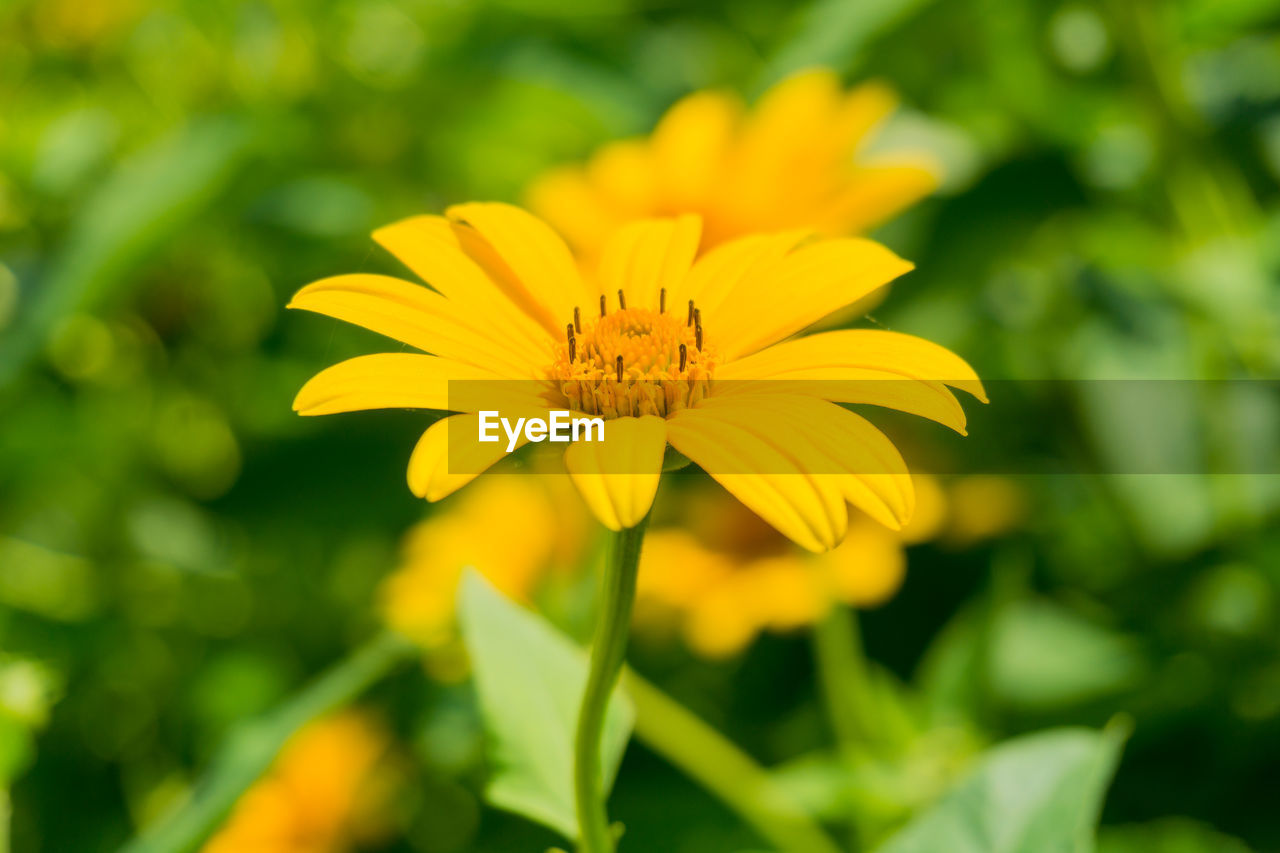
[
  {"x": 1045, "y": 656},
  {"x": 1035, "y": 794},
  {"x": 530, "y": 679},
  {"x": 1032, "y": 655},
  {"x": 952, "y": 675}
]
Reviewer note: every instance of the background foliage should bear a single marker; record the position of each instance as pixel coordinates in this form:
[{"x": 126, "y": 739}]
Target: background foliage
[{"x": 179, "y": 552}]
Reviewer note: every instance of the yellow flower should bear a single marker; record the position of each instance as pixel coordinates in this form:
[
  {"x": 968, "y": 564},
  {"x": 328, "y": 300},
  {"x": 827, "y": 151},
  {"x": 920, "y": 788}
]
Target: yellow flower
[
  {"x": 789, "y": 163},
  {"x": 732, "y": 577},
  {"x": 724, "y": 576},
  {"x": 540, "y": 531},
  {"x": 665, "y": 349},
  {"x": 325, "y": 794},
  {"x": 984, "y": 506},
  {"x": 933, "y": 509}
]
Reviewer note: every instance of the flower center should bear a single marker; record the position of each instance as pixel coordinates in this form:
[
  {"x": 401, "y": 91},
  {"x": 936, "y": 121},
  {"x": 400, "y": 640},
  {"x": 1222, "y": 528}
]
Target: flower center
[{"x": 633, "y": 361}]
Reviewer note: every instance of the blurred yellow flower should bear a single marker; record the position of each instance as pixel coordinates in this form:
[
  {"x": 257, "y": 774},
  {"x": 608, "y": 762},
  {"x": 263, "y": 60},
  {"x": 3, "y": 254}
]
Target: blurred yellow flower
[
  {"x": 729, "y": 577},
  {"x": 933, "y": 509},
  {"x": 791, "y": 162},
  {"x": 512, "y": 528},
  {"x": 326, "y": 793},
  {"x": 984, "y": 506},
  {"x": 667, "y": 349},
  {"x": 732, "y": 578}
]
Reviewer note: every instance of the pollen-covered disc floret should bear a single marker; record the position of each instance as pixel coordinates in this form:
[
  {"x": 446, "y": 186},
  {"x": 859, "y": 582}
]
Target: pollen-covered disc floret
[{"x": 633, "y": 361}]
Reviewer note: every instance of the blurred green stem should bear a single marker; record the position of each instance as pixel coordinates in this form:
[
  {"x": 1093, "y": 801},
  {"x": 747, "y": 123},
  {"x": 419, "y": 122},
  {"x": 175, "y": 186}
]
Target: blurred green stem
[
  {"x": 843, "y": 674},
  {"x": 613, "y": 623},
  {"x": 5, "y": 808},
  {"x": 842, "y": 677},
  {"x": 251, "y": 748},
  {"x": 724, "y": 770}
]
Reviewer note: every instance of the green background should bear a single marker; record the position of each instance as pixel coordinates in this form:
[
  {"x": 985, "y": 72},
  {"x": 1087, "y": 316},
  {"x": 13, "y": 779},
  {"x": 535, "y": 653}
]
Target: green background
[{"x": 178, "y": 551}]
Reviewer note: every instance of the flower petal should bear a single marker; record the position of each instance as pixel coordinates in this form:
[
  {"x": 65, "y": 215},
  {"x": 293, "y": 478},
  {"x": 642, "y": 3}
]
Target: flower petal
[
  {"x": 419, "y": 317},
  {"x": 690, "y": 145},
  {"x": 618, "y": 477},
  {"x": 839, "y": 451},
  {"x": 875, "y": 194},
  {"x": 571, "y": 204},
  {"x": 385, "y": 381},
  {"x": 721, "y": 624},
  {"x": 895, "y": 353},
  {"x": 861, "y": 112},
  {"x": 872, "y": 474},
  {"x": 868, "y": 366},
  {"x": 805, "y": 286},
  {"x": 623, "y": 174},
  {"x": 449, "y": 455},
  {"x": 677, "y": 571},
  {"x": 868, "y": 567},
  {"x": 645, "y": 257},
  {"x": 760, "y": 468},
  {"x": 717, "y": 275},
  {"x": 522, "y": 255},
  {"x": 921, "y": 397},
  {"x": 796, "y": 150},
  {"x": 428, "y": 246},
  {"x": 790, "y": 124}
]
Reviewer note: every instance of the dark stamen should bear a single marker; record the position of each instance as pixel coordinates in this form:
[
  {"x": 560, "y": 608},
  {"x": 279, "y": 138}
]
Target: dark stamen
[
  {"x": 619, "y": 368},
  {"x": 602, "y": 305},
  {"x": 573, "y": 346},
  {"x": 577, "y": 320},
  {"x": 622, "y": 300},
  {"x": 684, "y": 357},
  {"x": 697, "y": 327},
  {"x": 662, "y": 301},
  {"x": 689, "y": 322}
]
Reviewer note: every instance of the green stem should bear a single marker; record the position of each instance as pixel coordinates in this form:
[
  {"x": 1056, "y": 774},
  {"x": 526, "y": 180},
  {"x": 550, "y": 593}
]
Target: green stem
[
  {"x": 613, "y": 623},
  {"x": 842, "y": 675},
  {"x": 723, "y": 769},
  {"x": 5, "y": 809},
  {"x": 252, "y": 747}
]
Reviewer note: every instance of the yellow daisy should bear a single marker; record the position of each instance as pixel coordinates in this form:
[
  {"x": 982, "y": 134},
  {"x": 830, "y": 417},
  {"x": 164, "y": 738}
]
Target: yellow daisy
[
  {"x": 796, "y": 160},
  {"x": 326, "y": 793},
  {"x": 727, "y": 577},
  {"x": 722, "y": 577},
  {"x": 667, "y": 349}
]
